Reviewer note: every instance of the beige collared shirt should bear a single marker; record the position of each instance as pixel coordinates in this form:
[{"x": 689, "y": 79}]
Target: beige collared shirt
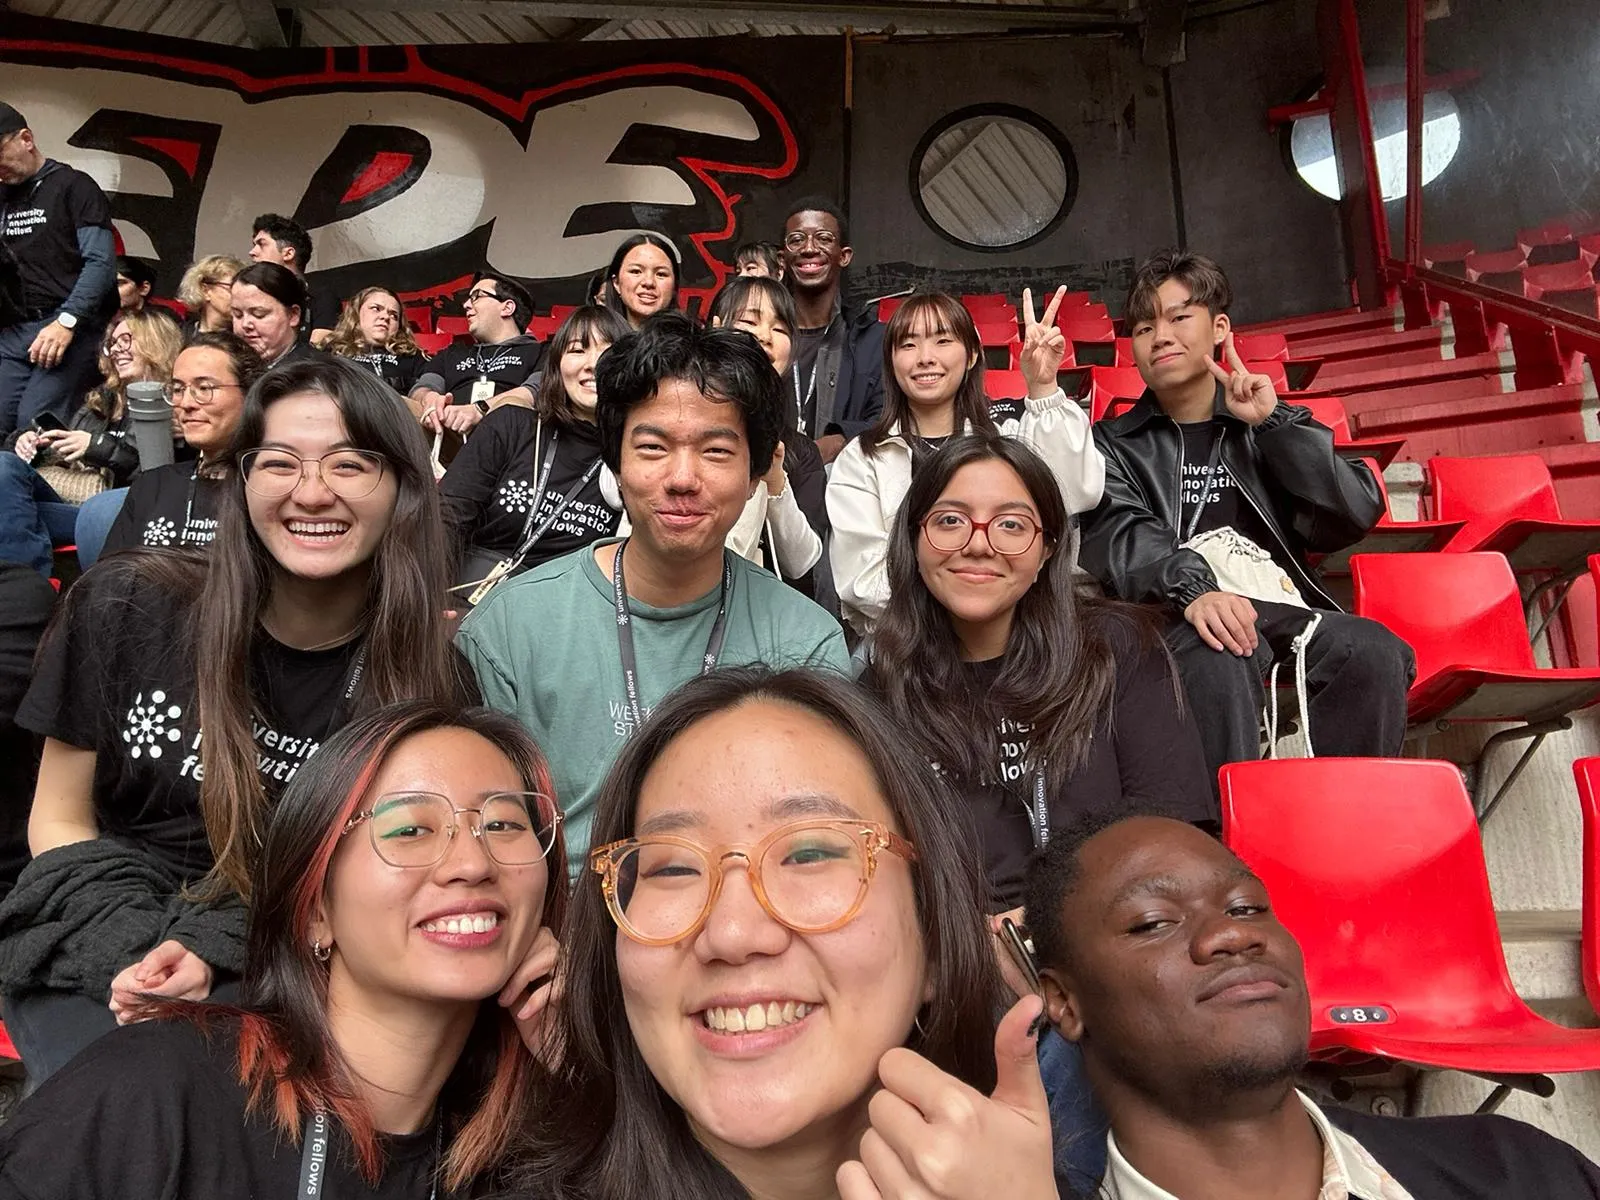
[{"x": 1348, "y": 1171}]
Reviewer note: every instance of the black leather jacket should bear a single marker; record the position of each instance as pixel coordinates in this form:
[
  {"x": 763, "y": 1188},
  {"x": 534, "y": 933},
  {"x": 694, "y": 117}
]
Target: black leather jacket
[{"x": 1310, "y": 498}]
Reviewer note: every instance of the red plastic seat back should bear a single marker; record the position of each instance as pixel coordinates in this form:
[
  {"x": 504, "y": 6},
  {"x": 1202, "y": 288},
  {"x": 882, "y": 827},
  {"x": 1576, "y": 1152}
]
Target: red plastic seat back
[
  {"x": 997, "y": 331},
  {"x": 1376, "y": 866},
  {"x": 986, "y": 300},
  {"x": 1329, "y": 411},
  {"x": 1487, "y": 492},
  {"x": 1587, "y": 772},
  {"x": 1573, "y": 276},
  {"x": 1107, "y": 385},
  {"x": 1261, "y": 345},
  {"x": 454, "y": 326},
  {"x": 544, "y": 328},
  {"x": 1080, "y": 328},
  {"x": 1004, "y": 385},
  {"x": 1455, "y": 610},
  {"x": 431, "y": 343},
  {"x": 420, "y": 318},
  {"x": 562, "y": 311},
  {"x": 889, "y": 306}
]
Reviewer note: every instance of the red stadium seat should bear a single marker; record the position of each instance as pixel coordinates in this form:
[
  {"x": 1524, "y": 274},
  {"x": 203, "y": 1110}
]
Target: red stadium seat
[
  {"x": 1112, "y": 390},
  {"x": 1552, "y": 242},
  {"x": 1587, "y": 771},
  {"x": 1004, "y": 385},
  {"x": 1389, "y": 536},
  {"x": 562, "y": 311},
  {"x": 1090, "y": 330},
  {"x": 1376, "y": 866},
  {"x": 431, "y": 343},
  {"x": 1508, "y": 502},
  {"x": 1450, "y": 258},
  {"x": 543, "y": 328},
  {"x": 988, "y": 301},
  {"x": 1261, "y": 346},
  {"x": 1124, "y": 352},
  {"x": 1463, "y": 618},
  {"x": 1326, "y": 410},
  {"x": 456, "y": 327},
  {"x": 1500, "y": 262},
  {"x": 8, "y": 1049},
  {"x": 420, "y": 318}
]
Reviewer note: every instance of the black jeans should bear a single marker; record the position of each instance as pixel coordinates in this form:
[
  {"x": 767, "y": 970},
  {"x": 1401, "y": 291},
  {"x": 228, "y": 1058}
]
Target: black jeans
[{"x": 1357, "y": 674}]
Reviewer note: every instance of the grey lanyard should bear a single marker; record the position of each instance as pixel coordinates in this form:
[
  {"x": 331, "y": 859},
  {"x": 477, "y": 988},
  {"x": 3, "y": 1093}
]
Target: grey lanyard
[
  {"x": 630, "y": 666},
  {"x": 1039, "y": 812},
  {"x": 314, "y": 1158}
]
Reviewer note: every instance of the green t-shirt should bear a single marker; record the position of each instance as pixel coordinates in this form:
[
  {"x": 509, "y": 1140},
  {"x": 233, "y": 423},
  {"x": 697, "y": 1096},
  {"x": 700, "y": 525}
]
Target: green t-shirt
[{"x": 544, "y": 647}]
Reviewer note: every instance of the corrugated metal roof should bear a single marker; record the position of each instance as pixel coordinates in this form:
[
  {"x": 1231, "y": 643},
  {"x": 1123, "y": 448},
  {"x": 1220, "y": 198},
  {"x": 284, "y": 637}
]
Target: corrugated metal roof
[{"x": 220, "y": 21}]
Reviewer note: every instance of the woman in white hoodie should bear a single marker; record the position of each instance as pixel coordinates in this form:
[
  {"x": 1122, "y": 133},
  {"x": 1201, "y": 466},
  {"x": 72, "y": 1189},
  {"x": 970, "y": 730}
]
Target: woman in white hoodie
[{"x": 933, "y": 388}]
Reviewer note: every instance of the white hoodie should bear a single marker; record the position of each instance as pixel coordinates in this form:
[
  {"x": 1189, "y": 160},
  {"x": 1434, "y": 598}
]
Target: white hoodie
[{"x": 865, "y": 493}]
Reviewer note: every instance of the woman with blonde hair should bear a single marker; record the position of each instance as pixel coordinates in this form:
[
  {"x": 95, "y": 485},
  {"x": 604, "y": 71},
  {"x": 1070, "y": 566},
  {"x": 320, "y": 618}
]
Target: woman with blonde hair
[
  {"x": 52, "y": 471},
  {"x": 206, "y": 290},
  {"x": 372, "y": 331}
]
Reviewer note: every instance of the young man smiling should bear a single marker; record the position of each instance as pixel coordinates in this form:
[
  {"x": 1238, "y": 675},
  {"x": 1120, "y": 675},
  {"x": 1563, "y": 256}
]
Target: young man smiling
[
  {"x": 1213, "y": 451},
  {"x": 581, "y": 648},
  {"x": 1162, "y": 959},
  {"x": 838, "y": 350}
]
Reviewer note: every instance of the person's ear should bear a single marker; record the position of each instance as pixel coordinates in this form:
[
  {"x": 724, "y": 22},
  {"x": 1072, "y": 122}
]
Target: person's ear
[
  {"x": 294, "y": 315},
  {"x": 846, "y": 253},
  {"x": 1061, "y": 1005},
  {"x": 1220, "y": 327},
  {"x": 716, "y": 322},
  {"x": 972, "y": 360}
]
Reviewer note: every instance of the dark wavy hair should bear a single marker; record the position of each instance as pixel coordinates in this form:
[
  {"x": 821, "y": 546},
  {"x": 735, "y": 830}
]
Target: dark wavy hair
[
  {"x": 662, "y": 243},
  {"x": 934, "y": 312},
  {"x": 609, "y": 1131},
  {"x": 727, "y": 365},
  {"x": 409, "y": 654},
  {"x": 1207, "y": 284},
  {"x": 286, "y": 233},
  {"x": 586, "y": 326},
  {"x": 1060, "y": 669},
  {"x": 288, "y": 1061}
]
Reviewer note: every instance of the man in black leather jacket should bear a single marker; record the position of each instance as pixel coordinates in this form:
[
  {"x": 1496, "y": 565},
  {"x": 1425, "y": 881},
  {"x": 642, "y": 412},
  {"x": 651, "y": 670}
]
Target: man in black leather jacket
[{"x": 1208, "y": 449}]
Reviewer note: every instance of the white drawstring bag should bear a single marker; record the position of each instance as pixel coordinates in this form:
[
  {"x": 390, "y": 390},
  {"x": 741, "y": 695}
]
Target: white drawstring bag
[{"x": 1245, "y": 569}]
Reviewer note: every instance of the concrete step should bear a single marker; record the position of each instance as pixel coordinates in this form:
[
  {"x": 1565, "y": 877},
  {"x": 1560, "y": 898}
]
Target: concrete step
[{"x": 1542, "y": 954}]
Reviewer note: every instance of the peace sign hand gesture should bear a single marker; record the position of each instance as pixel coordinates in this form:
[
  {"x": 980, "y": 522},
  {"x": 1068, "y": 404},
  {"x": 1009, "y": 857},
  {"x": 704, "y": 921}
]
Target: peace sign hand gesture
[
  {"x": 1251, "y": 398},
  {"x": 1044, "y": 347},
  {"x": 934, "y": 1138}
]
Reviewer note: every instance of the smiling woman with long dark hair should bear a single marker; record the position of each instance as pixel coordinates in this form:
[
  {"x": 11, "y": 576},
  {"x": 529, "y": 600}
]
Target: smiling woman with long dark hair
[
  {"x": 322, "y": 598},
  {"x": 403, "y": 884}
]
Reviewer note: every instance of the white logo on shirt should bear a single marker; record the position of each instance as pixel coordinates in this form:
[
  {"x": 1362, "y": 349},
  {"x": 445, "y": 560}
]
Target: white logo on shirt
[
  {"x": 148, "y": 725},
  {"x": 516, "y": 496},
  {"x": 160, "y": 532}
]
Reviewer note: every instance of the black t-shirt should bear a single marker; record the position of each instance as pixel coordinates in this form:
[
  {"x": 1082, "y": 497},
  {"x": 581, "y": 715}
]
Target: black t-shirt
[
  {"x": 171, "y": 506},
  {"x": 116, "y": 675},
  {"x": 1226, "y": 505},
  {"x": 1145, "y": 755},
  {"x": 39, "y": 222},
  {"x": 325, "y": 307},
  {"x": 489, "y": 488},
  {"x": 803, "y": 376},
  {"x": 156, "y": 1111},
  {"x": 399, "y": 371},
  {"x": 509, "y": 364}
]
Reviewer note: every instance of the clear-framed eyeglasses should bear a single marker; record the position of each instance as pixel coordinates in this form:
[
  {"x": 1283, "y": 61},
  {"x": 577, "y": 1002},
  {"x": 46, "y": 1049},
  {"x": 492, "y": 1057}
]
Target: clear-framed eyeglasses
[
  {"x": 201, "y": 391},
  {"x": 825, "y": 239},
  {"x": 348, "y": 474},
  {"x": 950, "y": 530},
  {"x": 811, "y": 876},
  {"x": 415, "y": 829}
]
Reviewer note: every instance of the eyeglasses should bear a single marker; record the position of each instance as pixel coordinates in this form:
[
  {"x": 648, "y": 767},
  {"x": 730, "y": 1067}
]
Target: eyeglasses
[
  {"x": 811, "y": 876},
  {"x": 227, "y": 283},
  {"x": 415, "y": 829},
  {"x": 200, "y": 391},
  {"x": 949, "y": 530},
  {"x": 477, "y": 294},
  {"x": 123, "y": 341},
  {"x": 825, "y": 239},
  {"x": 348, "y": 474}
]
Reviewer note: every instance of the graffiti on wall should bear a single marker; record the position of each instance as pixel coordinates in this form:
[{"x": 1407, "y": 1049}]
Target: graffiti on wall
[{"x": 414, "y": 175}]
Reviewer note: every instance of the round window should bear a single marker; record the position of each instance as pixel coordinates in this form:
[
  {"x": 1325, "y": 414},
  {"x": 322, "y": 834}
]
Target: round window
[
  {"x": 1311, "y": 144},
  {"x": 995, "y": 177}
]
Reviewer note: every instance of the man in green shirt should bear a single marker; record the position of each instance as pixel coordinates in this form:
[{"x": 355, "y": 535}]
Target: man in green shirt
[{"x": 581, "y": 648}]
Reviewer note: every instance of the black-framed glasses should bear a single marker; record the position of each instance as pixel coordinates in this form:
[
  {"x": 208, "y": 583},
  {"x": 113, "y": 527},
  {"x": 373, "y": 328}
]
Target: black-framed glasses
[
  {"x": 825, "y": 239},
  {"x": 348, "y": 474},
  {"x": 123, "y": 341},
  {"x": 201, "y": 391},
  {"x": 477, "y": 294},
  {"x": 415, "y": 829},
  {"x": 949, "y": 530},
  {"x": 811, "y": 876}
]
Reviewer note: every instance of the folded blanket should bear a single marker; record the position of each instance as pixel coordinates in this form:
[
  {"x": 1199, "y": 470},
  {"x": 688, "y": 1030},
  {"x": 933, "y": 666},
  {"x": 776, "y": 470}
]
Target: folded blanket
[{"x": 83, "y": 912}]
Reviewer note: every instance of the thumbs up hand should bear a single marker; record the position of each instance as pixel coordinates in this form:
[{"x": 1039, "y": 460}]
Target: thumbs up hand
[{"x": 932, "y": 1136}]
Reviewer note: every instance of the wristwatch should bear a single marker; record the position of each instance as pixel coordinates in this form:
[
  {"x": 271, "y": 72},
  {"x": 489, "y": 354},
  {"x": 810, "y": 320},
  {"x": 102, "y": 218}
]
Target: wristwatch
[
  {"x": 67, "y": 321},
  {"x": 482, "y": 406}
]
